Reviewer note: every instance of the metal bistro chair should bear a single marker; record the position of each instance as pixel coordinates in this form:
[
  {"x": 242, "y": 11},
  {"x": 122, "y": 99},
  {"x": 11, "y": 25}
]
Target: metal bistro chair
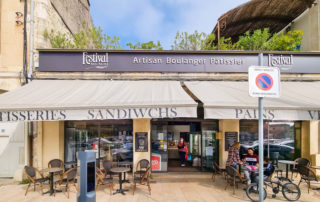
[
  {"x": 65, "y": 180},
  {"x": 307, "y": 174},
  {"x": 56, "y": 163},
  {"x": 142, "y": 166},
  {"x": 300, "y": 162},
  {"x": 107, "y": 165},
  {"x": 101, "y": 179},
  {"x": 274, "y": 156},
  {"x": 31, "y": 173},
  {"x": 217, "y": 170},
  {"x": 233, "y": 177},
  {"x": 143, "y": 180}
]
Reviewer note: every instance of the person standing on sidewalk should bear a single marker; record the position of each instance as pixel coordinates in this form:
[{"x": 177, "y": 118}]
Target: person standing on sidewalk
[{"x": 183, "y": 151}]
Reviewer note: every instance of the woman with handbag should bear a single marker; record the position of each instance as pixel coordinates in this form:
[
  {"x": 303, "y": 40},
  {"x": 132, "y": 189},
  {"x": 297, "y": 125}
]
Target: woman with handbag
[{"x": 183, "y": 151}]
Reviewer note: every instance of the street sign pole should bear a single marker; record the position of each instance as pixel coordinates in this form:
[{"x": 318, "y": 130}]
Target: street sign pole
[
  {"x": 264, "y": 81},
  {"x": 261, "y": 139}
]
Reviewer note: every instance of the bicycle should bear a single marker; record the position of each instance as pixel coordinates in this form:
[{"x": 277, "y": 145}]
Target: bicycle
[{"x": 290, "y": 191}]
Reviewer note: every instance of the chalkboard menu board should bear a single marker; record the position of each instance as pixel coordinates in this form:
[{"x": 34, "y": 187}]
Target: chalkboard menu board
[
  {"x": 142, "y": 142},
  {"x": 230, "y": 139}
]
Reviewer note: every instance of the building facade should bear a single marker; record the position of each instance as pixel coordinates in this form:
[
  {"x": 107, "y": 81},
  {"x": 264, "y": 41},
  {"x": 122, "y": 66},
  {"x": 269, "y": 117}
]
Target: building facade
[
  {"x": 18, "y": 54},
  {"x": 133, "y": 105}
]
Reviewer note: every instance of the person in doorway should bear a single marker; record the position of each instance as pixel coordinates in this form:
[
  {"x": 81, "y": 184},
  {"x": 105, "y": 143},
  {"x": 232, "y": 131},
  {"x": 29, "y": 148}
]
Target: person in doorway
[
  {"x": 183, "y": 151},
  {"x": 251, "y": 161},
  {"x": 234, "y": 156}
]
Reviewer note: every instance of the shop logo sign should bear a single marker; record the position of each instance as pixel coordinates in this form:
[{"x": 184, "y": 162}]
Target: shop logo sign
[
  {"x": 280, "y": 60},
  {"x": 100, "y": 60}
]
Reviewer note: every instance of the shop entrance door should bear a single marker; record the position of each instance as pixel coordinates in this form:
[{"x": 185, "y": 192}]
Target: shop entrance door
[
  {"x": 209, "y": 149},
  {"x": 200, "y": 137}
]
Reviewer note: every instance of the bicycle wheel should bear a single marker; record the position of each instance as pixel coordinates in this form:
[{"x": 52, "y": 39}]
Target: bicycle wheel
[
  {"x": 291, "y": 191},
  {"x": 253, "y": 192}
]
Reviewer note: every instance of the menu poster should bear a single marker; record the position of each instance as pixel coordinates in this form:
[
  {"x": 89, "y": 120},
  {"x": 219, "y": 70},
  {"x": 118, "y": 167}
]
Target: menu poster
[
  {"x": 230, "y": 139},
  {"x": 141, "y": 142}
]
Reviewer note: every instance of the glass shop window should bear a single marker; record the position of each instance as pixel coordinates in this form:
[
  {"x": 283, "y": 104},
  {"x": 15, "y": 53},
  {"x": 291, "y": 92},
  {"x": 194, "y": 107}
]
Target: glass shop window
[{"x": 281, "y": 139}]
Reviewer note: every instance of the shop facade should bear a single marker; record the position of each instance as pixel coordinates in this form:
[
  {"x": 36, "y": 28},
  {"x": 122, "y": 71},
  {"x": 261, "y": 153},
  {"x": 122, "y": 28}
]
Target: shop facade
[{"x": 130, "y": 105}]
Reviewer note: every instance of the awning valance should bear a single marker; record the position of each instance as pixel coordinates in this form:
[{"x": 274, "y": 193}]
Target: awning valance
[
  {"x": 96, "y": 100},
  {"x": 231, "y": 100}
]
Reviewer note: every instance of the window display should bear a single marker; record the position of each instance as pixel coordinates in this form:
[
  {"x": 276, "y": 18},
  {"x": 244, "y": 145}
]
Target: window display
[
  {"x": 279, "y": 137},
  {"x": 159, "y": 147},
  {"x": 112, "y": 140}
]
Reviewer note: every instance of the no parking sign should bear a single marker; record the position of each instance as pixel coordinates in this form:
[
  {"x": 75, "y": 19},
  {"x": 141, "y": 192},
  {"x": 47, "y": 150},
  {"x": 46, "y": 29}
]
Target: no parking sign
[{"x": 264, "y": 81}]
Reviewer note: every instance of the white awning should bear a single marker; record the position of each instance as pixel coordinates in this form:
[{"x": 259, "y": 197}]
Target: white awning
[
  {"x": 231, "y": 100},
  {"x": 96, "y": 100}
]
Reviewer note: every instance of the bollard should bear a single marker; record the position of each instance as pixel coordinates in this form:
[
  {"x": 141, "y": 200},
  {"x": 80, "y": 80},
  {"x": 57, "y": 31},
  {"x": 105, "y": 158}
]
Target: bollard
[{"x": 87, "y": 182}]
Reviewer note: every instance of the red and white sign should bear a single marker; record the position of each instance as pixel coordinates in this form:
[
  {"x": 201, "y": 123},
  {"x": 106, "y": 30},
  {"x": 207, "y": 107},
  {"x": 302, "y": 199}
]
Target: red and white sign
[
  {"x": 156, "y": 162},
  {"x": 264, "y": 81}
]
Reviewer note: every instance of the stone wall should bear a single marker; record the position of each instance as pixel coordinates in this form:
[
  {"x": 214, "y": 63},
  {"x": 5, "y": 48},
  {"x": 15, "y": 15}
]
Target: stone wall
[
  {"x": 74, "y": 13},
  {"x": 61, "y": 16}
]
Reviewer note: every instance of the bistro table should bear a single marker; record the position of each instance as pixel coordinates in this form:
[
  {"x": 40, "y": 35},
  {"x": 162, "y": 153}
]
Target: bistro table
[
  {"x": 51, "y": 171},
  {"x": 287, "y": 162},
  {"x": 120, "y": 170},
  {"x": 126, "y": 164}
]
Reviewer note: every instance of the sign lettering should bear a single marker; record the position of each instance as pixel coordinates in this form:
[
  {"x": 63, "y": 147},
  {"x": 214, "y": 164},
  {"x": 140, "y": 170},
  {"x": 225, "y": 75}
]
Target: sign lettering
[
  {"x": 253, "y": 114},
  {"x": 134, "y": 61},
  {"x": 97, "y": 59},
  {"x": 93, "y": 114},
  {"x": 280, "y": 60}
]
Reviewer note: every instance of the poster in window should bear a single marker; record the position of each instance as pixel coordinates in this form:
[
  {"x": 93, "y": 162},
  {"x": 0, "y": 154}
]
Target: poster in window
[
  {"x": 230, "y": 139},
  {"x": 142, "y": 142}
]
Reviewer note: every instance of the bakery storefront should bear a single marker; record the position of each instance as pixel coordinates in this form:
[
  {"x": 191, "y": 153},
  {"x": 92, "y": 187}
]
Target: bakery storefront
[{"x": 132, "y": 105}]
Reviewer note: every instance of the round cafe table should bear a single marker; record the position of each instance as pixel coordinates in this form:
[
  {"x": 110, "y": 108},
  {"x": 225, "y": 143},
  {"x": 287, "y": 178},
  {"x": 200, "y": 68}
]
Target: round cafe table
[
  {"x": 120, "y": 170},
  {"x": 287, "y": 162},
  {"x": 126, "y": 164},
  {"x": 51, "y": 171}
]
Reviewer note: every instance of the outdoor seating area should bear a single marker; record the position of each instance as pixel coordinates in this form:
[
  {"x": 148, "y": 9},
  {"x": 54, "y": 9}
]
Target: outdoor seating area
[
  {"x": 172, "y": 186},
  {"x": 56, "y": 178},
  {"x": 117, "y": 179},
  {"x": 301, "y": 168}
]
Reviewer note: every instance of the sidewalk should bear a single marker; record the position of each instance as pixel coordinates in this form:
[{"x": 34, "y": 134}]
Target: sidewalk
[
  {"x": 7, "y": 181},
  {"x": 166, "y": 187}
]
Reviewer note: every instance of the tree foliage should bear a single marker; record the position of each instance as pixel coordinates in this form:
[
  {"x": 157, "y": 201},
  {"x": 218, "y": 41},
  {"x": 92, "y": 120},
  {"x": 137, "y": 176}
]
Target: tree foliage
[
  {"x": 93, "y": 38},
  {"x": 147, "y": 45},
  {"x": 86, "y": 38},
  {"x": 290, "y": 41},
  {"x": 261, "y": 40},
  {"x": 195, "y": 41},
  {"x": 264, "y": 40},
  {"x": 257, "y": 40},
  {"x": 58, "y": 40}
]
